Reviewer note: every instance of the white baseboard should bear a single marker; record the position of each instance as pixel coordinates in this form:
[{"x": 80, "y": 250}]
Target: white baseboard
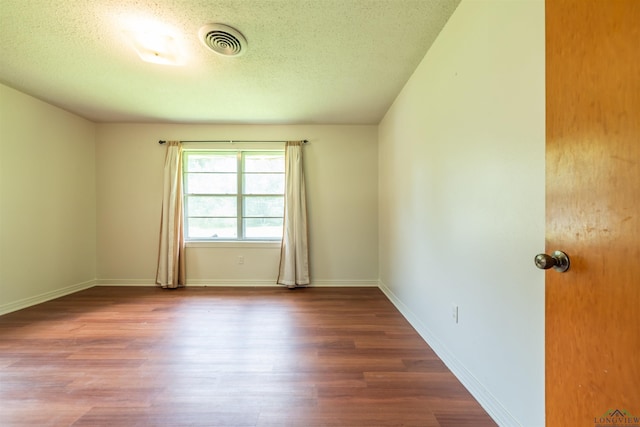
[
  {"x": 345, "y": 283},
  {"x": 237, "y": 282},
  {"x": 125, "y": 282},
  {"x": 314, "y": 283},
  {"x": 484, "y": 397},
  {"x": 230, "y": 282},
  {"x": 190, "y": 282},
  {"x": 47, "y": 296}
]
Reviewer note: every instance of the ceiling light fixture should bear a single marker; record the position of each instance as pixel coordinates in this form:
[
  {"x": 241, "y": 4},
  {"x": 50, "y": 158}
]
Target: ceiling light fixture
[
  {"x": 155, "y": 47},
  {"x": 223, "y": 39}
]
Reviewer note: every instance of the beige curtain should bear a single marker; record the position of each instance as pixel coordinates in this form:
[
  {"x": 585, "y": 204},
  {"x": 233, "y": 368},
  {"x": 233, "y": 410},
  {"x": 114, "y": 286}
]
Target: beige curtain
[
  {"x": 294, "y": 252},
  {"x": 171, "y": 256}
]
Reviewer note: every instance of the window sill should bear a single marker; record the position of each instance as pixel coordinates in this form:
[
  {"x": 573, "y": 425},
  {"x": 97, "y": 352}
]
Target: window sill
[{"x": 260, "y": 244}]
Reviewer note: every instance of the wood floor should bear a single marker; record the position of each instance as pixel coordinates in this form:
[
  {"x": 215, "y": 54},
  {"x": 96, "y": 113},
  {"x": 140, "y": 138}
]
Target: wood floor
[{"x": 224, "y": 357}]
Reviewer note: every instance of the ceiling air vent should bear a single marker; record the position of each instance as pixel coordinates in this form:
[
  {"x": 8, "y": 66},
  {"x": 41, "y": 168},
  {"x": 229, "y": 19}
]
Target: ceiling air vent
[{"x": 223, "y": 39}]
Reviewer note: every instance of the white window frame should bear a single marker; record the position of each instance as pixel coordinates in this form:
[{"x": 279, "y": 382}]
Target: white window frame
[{"x": 240, "y": 173}]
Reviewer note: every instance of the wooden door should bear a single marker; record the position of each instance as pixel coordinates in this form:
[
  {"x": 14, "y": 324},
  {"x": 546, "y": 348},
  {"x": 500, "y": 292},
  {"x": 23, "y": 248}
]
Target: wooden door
[{"x": 593, "y": 211}]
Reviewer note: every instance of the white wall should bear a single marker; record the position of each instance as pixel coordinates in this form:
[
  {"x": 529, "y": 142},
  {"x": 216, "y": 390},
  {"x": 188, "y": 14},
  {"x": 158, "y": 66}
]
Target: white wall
[
  {"x": 341, "y": 177},
  {"x": 47, "y": 201},
  {"x": 461, "y": 205}
]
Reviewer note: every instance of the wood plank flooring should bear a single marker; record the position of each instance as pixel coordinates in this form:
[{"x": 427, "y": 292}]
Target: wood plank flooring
[{"x": 231, "y": 357}]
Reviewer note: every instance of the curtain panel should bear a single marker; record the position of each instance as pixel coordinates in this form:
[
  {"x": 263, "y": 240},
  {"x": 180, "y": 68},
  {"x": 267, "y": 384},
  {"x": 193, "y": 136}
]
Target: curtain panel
[
  {"x": 294, "y": 250},
  {"x": 171, "y": 271}
]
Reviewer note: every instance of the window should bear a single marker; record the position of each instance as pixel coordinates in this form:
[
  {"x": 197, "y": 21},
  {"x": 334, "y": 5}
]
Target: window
[{"x": 233, "y": 195}]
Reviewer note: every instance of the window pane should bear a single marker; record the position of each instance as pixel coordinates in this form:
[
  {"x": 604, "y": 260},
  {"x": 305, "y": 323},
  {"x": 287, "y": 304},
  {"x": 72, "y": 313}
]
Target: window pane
[
  {"x": 211, "y": 206},
  {"x": 261, "y": 183},
  {"x": 262, "y": 206},
  {"x": 264, "y": 162},
  {"x": 211, "y": 183},
  {"x": 212, "y": 228},
  {"x": 212, "y": 162},
  {"x": 263, "y": 228},
  {"x": 212, "y": 187}
]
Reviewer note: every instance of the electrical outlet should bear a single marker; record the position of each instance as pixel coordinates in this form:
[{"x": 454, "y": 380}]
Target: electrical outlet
[
  {"x": 241, "y": 259},
  {"x": 454, "y": 313}
]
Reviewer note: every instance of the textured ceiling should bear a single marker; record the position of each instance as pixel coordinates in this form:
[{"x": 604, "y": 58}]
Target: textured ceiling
[{"x": 308, "y": 61}]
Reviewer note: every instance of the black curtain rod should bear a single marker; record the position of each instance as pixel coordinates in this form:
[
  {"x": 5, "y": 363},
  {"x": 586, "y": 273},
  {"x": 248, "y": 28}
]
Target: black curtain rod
[{"x": 236, "y": 140}]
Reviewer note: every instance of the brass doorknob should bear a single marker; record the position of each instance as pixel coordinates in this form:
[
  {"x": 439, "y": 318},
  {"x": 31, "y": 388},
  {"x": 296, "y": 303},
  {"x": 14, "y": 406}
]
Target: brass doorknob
[{"x": 558, "y": 260}]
